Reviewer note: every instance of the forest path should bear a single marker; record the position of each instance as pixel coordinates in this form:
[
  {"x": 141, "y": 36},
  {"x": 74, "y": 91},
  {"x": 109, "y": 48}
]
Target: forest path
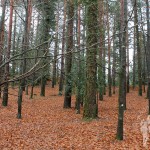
[{"x": 45, "y": 125}]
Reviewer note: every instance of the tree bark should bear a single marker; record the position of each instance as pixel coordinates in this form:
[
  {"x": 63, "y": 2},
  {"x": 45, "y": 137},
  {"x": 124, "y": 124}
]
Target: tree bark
[
  {"x": 2, "y": 39},
  {"x": 122, "y": 74},
  {"x": 79, "y": 80},
  {"x": 55, "y": 50},
  {"x": 109, "y": 55},
  {"x": 138, "y": 49},
  {"x": 61, "y": 82},
  {"x": 101, "y": 49},
  {"x": 6, "y": 75},
  {"x": 90, "y": 103},
  {"x": 68, "y": 84},
  {"x": 148, "y": 53}
]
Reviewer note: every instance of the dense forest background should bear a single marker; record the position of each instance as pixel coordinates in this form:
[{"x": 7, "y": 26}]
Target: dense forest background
[{"x": 85, "y": 51}]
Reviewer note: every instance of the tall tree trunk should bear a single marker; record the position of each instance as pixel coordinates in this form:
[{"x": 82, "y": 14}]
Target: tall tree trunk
[
  {"x": 148, "y": 52},
  {"x": 114, "y": 59},
  {"x": 144, "y": 54},
  {"x": 90, "y": 103},
  {"x": 104, "y": 70},
  {"x": 23, "y": 62},
  {"x": 68, "y": 84},
  {"x": 6, "y": 76},
  {"x": 55, "y": 50},
  {"x": 29, "y": 17},
  {"x": 45, "y": 36},
  {"x": 36, "y": 54},
  {"x": 109, "y": 55},
  {"x": 61, "y": 82},
  {"x": 101, "y": 49},
  {"x": 138, "y": 49},
  {"x": 127, "y": 64},
  {"x": 25, "y": 43},
  {"x": 134, "y": 60},
  {"x": 79, "y": 81},
  {"x": 122, "y": 74},
  {"x": 2, "y": 38},
  {"x": 14, "y": 51}
]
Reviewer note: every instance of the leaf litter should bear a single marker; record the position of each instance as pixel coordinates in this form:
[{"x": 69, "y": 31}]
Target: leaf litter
[{"x": 45, "y": 125}]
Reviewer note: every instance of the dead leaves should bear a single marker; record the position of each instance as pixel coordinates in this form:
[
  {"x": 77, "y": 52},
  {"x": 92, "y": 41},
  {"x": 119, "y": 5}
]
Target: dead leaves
[{"x": 46, "y": 125}]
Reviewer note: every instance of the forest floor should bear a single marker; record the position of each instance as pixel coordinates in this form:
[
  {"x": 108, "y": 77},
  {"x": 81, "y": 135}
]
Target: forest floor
[{"x": 45, "y": 125}]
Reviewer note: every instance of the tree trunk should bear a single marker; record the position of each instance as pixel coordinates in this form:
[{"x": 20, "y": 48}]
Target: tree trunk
[
  {"x": 55, "y": 50},
  {"x": 20, "y": 93},
  {"x": 138, "y": 49},
  {"x": 134, "y": 60},
  {"x": 45, "y": 36},
  {"x": 127, "y": 77},
  {"x": 79, "y": 80},
  {"x": 114, "y": 59},
  {"x": 68, "y": 84},
  {"x": 6, "y": 76},
  {"x": 101, "y": 49},
  {"x": 109, "y": 55},
  {"x": 148, "y": 52},
  {"x": 122, "y": 74},
  {"x": 14, "y": 51},
  {"x": 2, "y": 38},
  {"x": 90, "y": 103},
  {"x": 61, "y": 82}
]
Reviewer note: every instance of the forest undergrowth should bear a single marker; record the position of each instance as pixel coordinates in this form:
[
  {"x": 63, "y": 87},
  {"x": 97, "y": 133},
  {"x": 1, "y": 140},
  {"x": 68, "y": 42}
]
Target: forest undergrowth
[{"x": 45, "y": 125}]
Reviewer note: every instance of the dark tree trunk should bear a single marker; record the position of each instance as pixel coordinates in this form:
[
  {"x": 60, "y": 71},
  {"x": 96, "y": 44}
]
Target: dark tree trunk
[
  {"x": 61, "y": 82},
  {"x": 2, "y": 38},
  {"x": 36, "y": 55},
  {"x": 6, "y": 75},
  {"x": 55, "y": 51},
  {"x": 138, "y": 49},
  {"x": 134, "y": 60},
  {"x": 79, "y": 81},
  {"x": 104, "y": 70},
  {"x": 114, "y": 59},
  {"x": 14, "y": 51},
  {"x": 101, "y": 49},
  {"x": 144, "y": 54},
  {"x": 68, "y": 84},
  {"x": 45, "y": 37},
  {"x": 109, "y": 55},
  {"x": 122, "y": 74},
  {"x": 127, "y": 64},
  {"x": 148, "y": 52},
  {"x": 20, "y": 93},
  {"x": 90, "y": 103}
]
